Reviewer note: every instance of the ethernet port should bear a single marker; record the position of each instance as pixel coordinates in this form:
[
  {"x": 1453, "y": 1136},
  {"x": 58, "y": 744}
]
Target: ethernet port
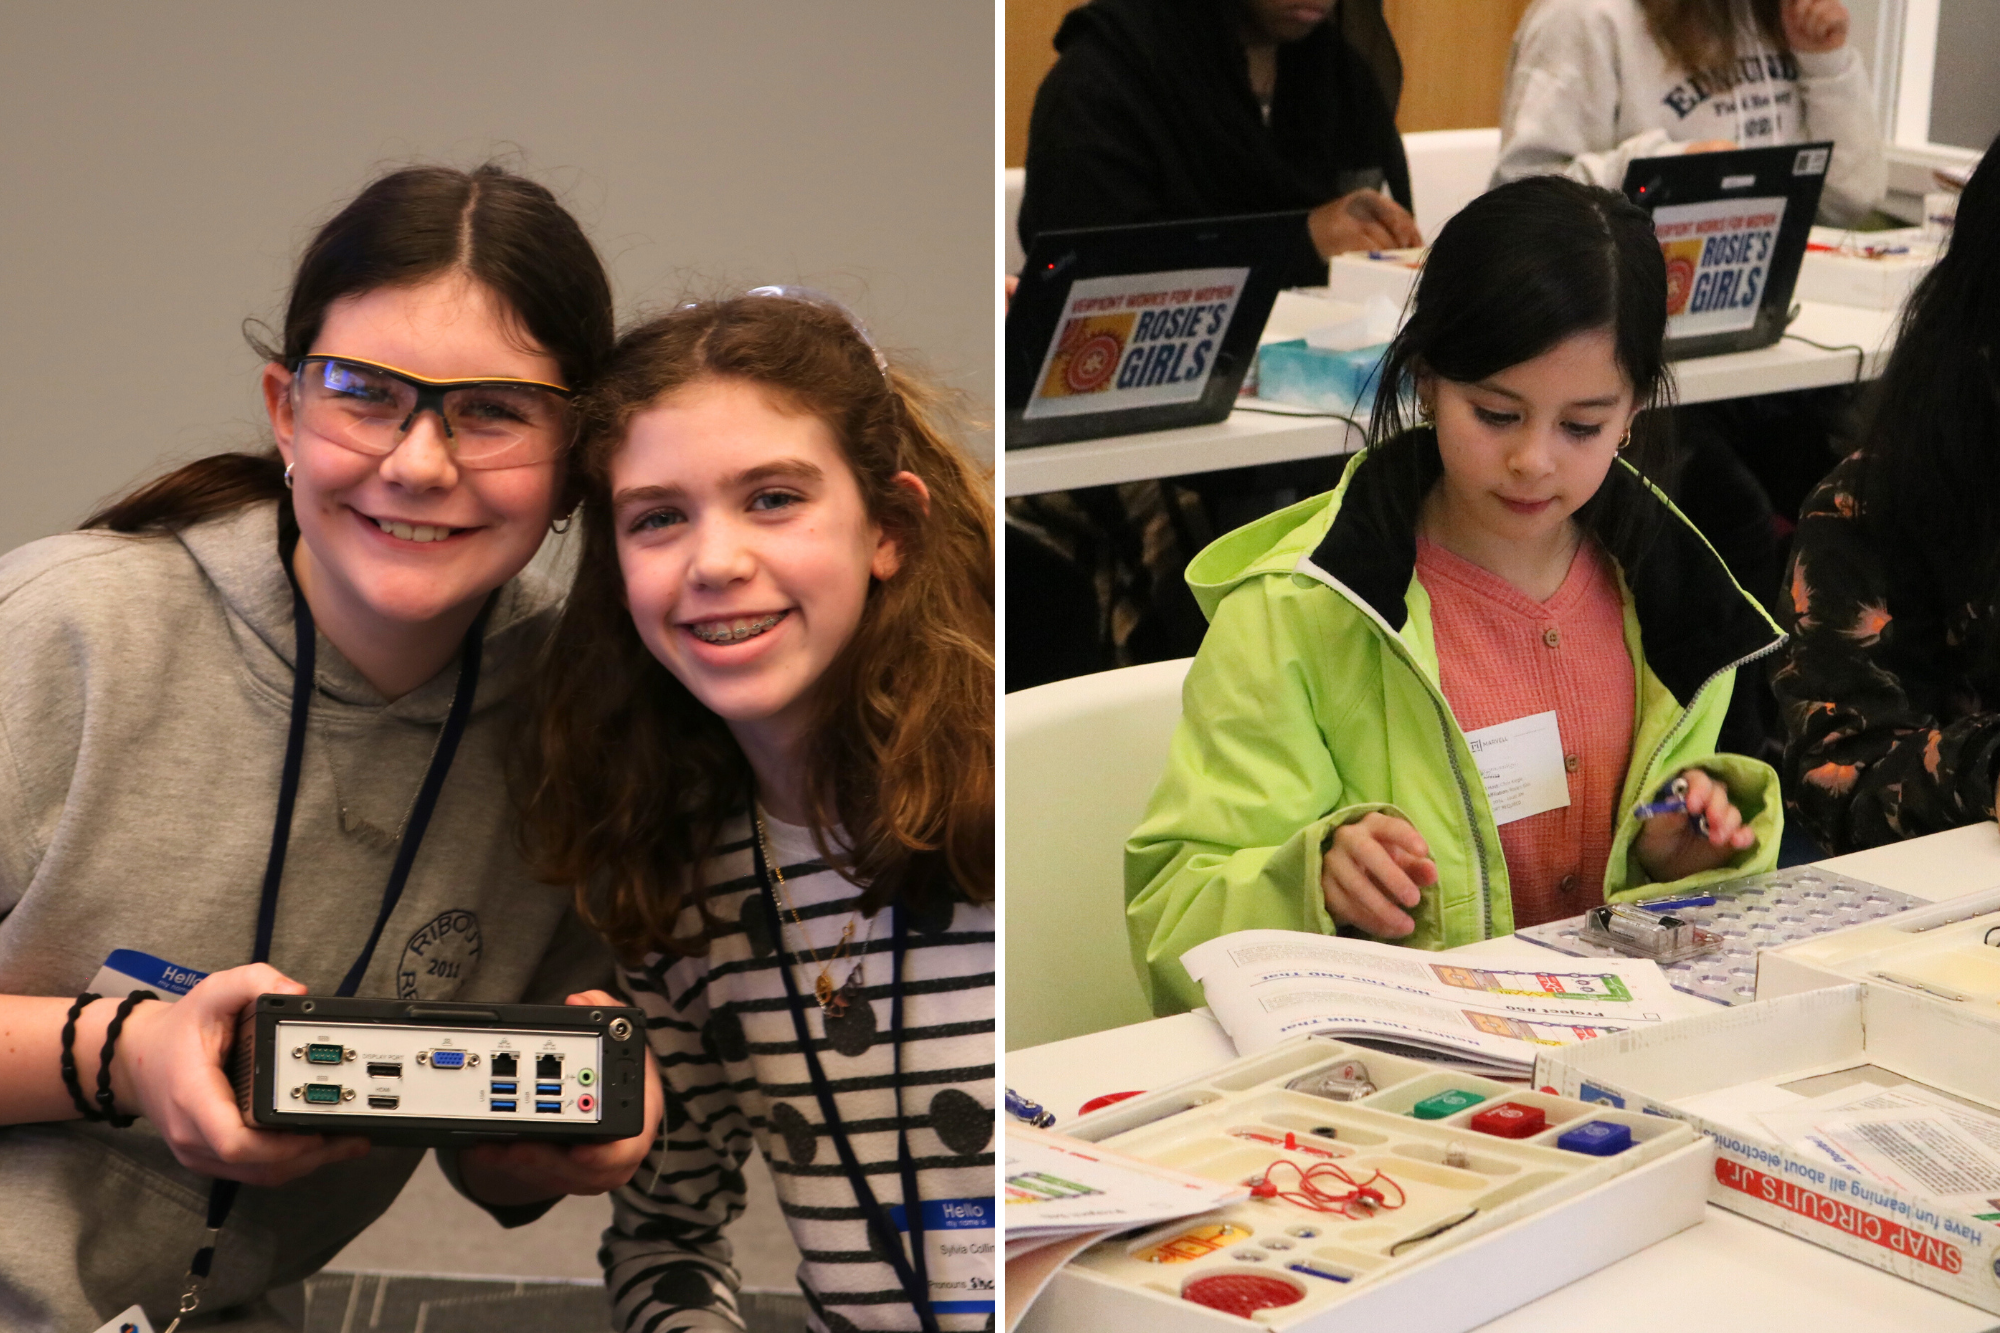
[
  {"x": 548, "y": 1066},
  {"x": 504, "y": 1065}
]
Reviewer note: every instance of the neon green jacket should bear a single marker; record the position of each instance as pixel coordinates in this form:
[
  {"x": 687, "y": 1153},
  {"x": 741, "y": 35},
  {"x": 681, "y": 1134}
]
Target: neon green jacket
[{"x": 1314, "y": 701}]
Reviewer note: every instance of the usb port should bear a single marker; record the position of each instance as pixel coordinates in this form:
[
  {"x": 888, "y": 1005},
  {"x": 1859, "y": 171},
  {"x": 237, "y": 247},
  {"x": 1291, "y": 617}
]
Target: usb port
[
  {"x": 325, "y": 1053},
  {"x": 382, "y": 1103},
  {"x": 447, "y": 1059},
  {"x": 500, "y": 1106},
  {"x": 503, "y": 1089},
  {"x": 548, "y": 1108},
  {"x": 548, "y": 1089},
  {"x": 504, "y": 1065},
  {"x": 385, "y": 1069},
  {"x": 323, "y": 1094}
]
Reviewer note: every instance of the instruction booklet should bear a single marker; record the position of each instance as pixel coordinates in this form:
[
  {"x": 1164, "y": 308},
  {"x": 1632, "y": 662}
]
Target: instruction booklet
[{"x": 1267, "y": 985}]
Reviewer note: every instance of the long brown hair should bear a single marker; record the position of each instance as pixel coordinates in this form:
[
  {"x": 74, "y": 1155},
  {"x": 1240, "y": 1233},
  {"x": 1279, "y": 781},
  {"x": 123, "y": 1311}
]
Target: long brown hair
[
  {"x": 1700, "y": 36},
  {"x": 406, "y": 228},
  {"x": 633, "y": 777}
]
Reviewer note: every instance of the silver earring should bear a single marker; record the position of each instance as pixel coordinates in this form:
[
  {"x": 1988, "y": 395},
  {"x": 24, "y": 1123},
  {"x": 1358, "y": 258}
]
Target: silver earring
[
  {"x": 561, "y": 525},
  {"x": 288, "y": 476}
]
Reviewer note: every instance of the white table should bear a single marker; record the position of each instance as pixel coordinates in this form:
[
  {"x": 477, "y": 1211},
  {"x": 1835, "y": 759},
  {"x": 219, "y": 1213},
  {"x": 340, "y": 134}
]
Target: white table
[
  {"x": 1728, "y": 1274},
  {"x": 1247, "y": 438}
]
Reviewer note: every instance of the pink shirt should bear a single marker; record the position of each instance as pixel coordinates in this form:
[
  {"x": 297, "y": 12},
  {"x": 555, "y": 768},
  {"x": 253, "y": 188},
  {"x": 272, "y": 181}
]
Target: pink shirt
[{"x": 1501, "y": 656}]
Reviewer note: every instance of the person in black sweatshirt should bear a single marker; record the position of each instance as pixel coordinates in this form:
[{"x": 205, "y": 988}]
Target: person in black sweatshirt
[{"x": 1158, "y": 110}]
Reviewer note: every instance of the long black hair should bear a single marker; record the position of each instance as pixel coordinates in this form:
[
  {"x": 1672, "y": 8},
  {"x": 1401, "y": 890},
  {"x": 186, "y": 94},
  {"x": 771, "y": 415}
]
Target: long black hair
[
  {"x": 1930, "y": 480},
  {"x": 1513, "y": 273},
  {"x": 405, "y": 228}
]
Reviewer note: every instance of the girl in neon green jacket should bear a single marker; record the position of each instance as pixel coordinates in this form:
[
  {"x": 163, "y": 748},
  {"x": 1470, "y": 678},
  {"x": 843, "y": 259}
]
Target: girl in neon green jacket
[{"x": 1319, "y": 778}]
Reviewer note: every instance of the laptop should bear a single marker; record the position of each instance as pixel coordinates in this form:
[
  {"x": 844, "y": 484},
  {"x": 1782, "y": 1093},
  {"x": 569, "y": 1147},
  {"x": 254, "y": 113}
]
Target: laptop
[
  {"x": 1733, "y": 226},
  {"x": 1115, "y": 330}
]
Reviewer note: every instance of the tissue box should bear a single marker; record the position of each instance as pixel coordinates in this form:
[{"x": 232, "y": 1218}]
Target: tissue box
[
  {"x": 1360, "y": 274},
  {"x": 1305, "y": 376}
]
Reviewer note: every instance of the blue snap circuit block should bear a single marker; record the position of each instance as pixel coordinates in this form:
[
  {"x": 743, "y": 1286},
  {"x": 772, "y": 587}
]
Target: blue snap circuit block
[{"x": 1599, "y": 1138}]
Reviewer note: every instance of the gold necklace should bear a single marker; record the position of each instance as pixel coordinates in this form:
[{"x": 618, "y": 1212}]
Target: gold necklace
[
  {"x": 355, "y": 825},
  {"x": 832, "y": 999}
]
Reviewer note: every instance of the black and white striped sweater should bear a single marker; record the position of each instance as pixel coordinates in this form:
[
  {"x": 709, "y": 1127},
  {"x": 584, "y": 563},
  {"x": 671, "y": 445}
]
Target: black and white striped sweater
[{"x": 734, "y": 1075}]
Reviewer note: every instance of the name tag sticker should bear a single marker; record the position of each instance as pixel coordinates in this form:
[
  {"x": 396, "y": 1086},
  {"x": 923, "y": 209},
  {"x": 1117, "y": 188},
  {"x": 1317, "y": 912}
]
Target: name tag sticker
[
  {"x": 958, "y": 1252},
  {"x": 132, "y": 1320},
  {"x": 127, "y": 970},
  {"x": 1521, "y": 763}
]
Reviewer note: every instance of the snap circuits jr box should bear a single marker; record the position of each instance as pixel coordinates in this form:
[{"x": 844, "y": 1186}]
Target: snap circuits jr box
[
  {"x": 437, "y": 1074},
  {"x": 1723, "y": 1072}
]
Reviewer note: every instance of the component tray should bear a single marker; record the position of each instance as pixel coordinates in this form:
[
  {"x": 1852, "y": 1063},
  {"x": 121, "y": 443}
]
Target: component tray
[
  {"x": 1755, "y": 912},
  {"x": 1546, "y": 1216}
]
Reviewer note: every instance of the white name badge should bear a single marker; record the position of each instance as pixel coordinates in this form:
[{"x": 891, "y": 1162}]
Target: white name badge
[
  {"x": 132, "y": 1320},
  {"x": 958, "y": 1253},
  {"x": 1521, "y": 763},
  {"x": 127, "y": 970}
]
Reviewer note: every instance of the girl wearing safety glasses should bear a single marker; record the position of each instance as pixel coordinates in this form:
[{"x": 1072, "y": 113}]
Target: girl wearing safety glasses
[{"x": 252, "y": 730}]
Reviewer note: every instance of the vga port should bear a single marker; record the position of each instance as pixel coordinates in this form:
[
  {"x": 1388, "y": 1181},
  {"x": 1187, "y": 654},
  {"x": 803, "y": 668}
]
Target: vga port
[{"x": 447, "y": 1059}]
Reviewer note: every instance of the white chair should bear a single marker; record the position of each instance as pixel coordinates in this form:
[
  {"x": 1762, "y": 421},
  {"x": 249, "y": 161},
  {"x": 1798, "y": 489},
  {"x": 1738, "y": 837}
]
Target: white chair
[
  {"x": 1083, "y": 756},
  {"x": 1014, "y": 185},
  {"x": 1448, "y": 170}
]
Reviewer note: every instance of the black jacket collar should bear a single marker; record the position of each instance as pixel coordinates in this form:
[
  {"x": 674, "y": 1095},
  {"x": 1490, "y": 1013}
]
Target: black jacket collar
[{"x": 1693, "y": 618}]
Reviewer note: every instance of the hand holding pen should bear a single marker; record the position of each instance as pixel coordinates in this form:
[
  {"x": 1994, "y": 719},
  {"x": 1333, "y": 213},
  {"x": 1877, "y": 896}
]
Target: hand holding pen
[{"x": 1689, "y": 827}]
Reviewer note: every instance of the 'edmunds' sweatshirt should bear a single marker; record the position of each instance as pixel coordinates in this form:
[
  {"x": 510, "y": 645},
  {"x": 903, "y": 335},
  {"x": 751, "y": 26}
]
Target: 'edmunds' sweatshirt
[{"x": 1589, "y": 90}]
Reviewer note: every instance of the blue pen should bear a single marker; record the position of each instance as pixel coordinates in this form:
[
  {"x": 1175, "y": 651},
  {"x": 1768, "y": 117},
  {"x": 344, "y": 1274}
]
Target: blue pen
[
  {"x": 1674, "y": 803},
  {"x": 1032, "y": 1112},
  {"x": 1674, "y": 904}
]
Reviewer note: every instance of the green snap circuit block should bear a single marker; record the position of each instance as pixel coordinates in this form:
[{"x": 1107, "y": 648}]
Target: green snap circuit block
[{"x": 1449, "y": 1102}]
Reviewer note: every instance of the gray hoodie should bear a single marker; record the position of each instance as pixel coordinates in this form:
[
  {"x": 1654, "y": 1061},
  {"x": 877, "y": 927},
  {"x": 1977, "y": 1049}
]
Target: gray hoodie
[{"x": 145, "y": 689}]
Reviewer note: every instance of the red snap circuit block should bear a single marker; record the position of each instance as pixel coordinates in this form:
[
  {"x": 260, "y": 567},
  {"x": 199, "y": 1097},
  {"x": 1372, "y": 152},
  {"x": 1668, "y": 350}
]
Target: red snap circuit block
[
  {"x": 1241, "y": 1294},
  {"x": 1511, "y": 1120}
]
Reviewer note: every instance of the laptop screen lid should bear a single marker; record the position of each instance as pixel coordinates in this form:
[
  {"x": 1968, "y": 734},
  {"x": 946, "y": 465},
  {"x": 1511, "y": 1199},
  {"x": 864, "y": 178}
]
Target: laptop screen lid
[
  {"x": 1115, "y": 330},
  {"x": 1733, "y": 227}
]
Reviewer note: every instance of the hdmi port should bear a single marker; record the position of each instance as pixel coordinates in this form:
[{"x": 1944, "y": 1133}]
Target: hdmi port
[
  {"x": 386, "y": 1070},
  {"x": 384, "y": 1103}
]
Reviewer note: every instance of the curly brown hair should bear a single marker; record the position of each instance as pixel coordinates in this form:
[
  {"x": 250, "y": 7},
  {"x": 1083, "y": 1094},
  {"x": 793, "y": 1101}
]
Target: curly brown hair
[{"x": 631, "y": 777}]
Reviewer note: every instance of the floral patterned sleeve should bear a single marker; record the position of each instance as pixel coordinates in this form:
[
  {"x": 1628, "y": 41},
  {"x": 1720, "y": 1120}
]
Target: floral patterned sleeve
[{"x": 1886, "y": 735}]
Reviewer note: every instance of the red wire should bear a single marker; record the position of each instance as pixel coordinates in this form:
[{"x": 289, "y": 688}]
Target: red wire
[{"x": 1362, "y": 1199}]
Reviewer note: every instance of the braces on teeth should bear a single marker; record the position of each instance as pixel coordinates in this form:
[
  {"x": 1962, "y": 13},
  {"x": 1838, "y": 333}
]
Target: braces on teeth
[{"x": 725, "y": 633}]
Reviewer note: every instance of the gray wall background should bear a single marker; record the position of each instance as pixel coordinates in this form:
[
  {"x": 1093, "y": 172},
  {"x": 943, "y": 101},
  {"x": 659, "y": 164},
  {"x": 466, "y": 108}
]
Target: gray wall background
[
  {"x": 1965, "y": 89},
  {"x": 163, "y": 164}
]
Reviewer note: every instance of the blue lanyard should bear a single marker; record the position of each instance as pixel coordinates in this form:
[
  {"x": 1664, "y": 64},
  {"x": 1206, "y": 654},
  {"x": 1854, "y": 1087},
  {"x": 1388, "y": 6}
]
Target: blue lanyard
[
  {"x": 915, "y": 1281},
  {"x": 222, "y": 1193},
  {"x": 420, "y": 813}
]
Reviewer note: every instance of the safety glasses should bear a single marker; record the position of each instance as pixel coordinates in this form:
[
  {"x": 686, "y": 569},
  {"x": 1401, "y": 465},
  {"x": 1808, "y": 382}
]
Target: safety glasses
[{"x": 488, "y": 423}]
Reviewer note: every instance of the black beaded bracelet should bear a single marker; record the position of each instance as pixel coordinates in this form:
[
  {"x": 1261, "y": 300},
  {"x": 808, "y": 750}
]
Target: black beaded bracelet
[
  {"x": 70, "y": 1079},
  {"x": 107, "y": 1104}
]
